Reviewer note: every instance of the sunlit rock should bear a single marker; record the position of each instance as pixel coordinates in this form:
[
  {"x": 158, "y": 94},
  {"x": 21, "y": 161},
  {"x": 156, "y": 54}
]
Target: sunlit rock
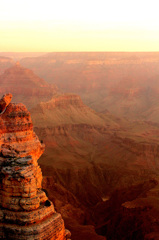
[{"x": 25, "y": 210}]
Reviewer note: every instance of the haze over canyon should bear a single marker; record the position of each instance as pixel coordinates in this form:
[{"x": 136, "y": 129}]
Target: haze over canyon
[{"x": 98, "y": 115}]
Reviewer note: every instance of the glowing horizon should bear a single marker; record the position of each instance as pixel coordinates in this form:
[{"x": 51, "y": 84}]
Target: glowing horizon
[{"x": 44, "y": 26}]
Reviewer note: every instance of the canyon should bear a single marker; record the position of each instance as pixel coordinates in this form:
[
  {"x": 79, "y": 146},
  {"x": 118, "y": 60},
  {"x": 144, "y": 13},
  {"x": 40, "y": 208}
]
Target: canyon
[
  {"x": 105, "y": 162},
  {"x": 101, "y": 160},
  {"x": 126, "y": 84}
]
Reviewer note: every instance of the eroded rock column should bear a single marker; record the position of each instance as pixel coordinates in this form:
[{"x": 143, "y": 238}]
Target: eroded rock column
[{"x": 25, "y": 211}]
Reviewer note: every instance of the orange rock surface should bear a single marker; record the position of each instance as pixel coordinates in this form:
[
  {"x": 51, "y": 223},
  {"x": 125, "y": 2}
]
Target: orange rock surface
[
  {"x": 4, "y": 102},
  {"x": 25, "y": 210}
]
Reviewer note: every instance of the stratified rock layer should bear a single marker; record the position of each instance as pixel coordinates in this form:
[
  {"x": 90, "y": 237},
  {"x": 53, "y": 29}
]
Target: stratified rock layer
[{"x": 25, "y": 211}]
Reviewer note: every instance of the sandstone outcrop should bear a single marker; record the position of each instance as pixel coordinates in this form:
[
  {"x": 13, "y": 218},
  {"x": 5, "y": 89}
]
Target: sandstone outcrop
[
  {"x": 4, "y": 102},
  {"x": 25, "y": 210}
]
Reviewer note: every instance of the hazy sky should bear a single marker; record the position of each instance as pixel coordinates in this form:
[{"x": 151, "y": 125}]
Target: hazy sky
[{"x": 85, "y": 25}]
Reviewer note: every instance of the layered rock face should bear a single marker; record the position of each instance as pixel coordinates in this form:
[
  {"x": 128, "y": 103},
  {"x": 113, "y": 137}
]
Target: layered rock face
[
  {"x": 25, "y": 210},
  {"x": 50, "y": 113}
]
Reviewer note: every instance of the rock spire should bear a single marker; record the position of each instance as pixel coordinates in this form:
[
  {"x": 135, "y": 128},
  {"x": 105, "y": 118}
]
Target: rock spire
[{"x": 25, "y": 211}]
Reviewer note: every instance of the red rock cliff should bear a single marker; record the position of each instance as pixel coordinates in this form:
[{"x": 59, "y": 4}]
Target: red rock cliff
[{"x": 25, "y": 210}]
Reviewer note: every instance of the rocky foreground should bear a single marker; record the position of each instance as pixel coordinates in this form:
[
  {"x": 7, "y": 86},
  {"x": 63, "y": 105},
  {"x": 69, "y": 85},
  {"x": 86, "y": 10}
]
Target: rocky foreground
[{"x": 25, "y": 210}]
